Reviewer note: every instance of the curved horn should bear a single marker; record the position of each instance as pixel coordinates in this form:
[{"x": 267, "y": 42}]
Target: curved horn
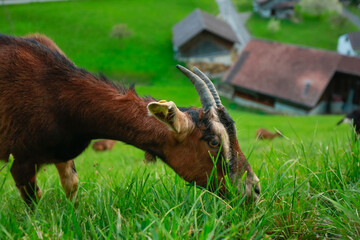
[
  {"x": 210, "y": 85},
  {"x": 206, "y": 98}
]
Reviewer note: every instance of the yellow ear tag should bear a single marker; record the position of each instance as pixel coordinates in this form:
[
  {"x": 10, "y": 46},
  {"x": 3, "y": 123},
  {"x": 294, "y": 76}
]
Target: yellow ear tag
[{"x": 162, "y": 101}]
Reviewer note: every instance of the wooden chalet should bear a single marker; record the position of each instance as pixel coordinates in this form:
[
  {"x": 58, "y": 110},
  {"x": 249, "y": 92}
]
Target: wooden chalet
[
  {"x": 283, "y": 78},
  {"x": 201, "y": 37}
]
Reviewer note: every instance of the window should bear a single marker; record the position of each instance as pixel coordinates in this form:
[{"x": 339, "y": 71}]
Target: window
[{"x": 307, "y": 87}]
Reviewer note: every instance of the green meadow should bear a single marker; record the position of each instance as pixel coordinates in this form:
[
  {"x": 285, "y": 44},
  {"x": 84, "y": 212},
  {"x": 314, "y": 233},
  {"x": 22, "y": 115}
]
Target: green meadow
[{"x": 309, "y": 178}]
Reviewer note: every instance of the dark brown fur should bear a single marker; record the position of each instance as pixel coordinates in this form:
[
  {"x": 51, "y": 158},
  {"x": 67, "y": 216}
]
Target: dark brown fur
[
  {"x": 353, "y": 116},
  {"x": 50, "y": 110}
]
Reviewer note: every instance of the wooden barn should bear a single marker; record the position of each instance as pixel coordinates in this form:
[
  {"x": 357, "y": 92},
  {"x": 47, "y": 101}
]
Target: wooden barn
[
  {"x": 275, "y": 8},
  {"x": 282, "y": 78},
  {"x": 201, "y": 37}
]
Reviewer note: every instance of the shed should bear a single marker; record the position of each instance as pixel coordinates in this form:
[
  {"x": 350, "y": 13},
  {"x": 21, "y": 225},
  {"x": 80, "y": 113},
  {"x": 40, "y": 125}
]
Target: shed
[
  {"x": 201, "y": 37},
  {"x": 349, "y": 44},
  {"x": 283, "y": 78},
  {"x": 275, "y": 8}
]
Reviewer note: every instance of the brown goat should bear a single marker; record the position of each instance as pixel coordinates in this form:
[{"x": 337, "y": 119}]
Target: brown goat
[
  {"x": 262, "y": 134},
  {"x": 50, "y": 110},
  {"x": 103, "y": 145}
]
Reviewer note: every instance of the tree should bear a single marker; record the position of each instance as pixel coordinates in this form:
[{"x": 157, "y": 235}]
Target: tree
[{"x": 355, "y": 2}]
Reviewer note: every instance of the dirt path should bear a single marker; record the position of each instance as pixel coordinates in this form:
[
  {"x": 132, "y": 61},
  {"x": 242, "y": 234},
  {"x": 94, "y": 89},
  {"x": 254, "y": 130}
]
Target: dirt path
[{"x": 352, "y": 17}]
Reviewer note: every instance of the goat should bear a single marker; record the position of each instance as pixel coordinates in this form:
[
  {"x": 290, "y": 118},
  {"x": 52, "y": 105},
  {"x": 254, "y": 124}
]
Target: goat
[
  {"x": 354, "y": 119},
  {"x": 50, "y": 110},
  {"x": 262, "y": 134},
  {"x": 103, "y": 145}
]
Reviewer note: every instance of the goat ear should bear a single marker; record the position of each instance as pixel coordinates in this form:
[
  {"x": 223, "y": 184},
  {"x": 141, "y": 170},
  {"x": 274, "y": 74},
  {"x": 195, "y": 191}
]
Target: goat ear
[{"x": 168, "y": 113}]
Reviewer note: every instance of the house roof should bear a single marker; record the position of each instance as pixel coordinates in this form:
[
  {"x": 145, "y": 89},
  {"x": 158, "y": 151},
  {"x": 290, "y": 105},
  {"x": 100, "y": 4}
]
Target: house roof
[
  {"x": 278, "y": 4},
  {"x": 198, "y": 21},
  {"x": 286, "y": 5},
  {"x": 354, "y": 38},
  {"x": 262, "y": 1},
  {"x": 292, "y": 73}
]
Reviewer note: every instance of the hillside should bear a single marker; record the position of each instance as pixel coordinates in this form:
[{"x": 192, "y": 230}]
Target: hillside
[{"x": 82, "y": 29}]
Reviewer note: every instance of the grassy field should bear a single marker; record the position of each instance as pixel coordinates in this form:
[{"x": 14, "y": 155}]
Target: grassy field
[
  {"x": 82, "y": 30},
  {"x": 310, "y": 190},
  {"x": 310, "y": 178},
  {"x": 310, "y": 31}
]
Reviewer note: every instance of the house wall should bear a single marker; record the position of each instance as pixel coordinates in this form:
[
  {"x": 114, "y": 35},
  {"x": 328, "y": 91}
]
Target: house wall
[
  {"x": 205, "y": 44},
  {"x": 225, "y": 59},
  {"x": 268, "y": 10},
  {"x": 344, "y": 46},
  {"x": 266, "y": 13},
  {"x": 254, "y": 105},
  {"x": 285, "y": 13},
  {"x": 319, "y": 109},
  {"x": 342, "y": 94},
  {"x": 288, "y": 109},
  {"x": 278, "y": 108}
]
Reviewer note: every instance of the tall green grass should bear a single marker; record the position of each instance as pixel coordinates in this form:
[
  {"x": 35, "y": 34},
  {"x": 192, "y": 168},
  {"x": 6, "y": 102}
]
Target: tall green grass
[
  {"x": 321, "y": 32},
  {"x": 309, "y": 178}
]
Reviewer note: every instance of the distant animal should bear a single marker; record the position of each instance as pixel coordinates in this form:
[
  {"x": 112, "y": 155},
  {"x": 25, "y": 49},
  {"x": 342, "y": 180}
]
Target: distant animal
[
  {"x": 103, "y": 145},
  {"x": 262, "y": 133},
  {"x": 50, "y": 110},
  {"x": 354, "y": 119}
]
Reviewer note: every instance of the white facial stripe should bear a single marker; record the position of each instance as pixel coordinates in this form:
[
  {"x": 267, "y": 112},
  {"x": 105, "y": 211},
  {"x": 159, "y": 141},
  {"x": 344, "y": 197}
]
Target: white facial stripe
[
  {"x": 348, "y": 120},
  {"x": 219, "y": 129}
]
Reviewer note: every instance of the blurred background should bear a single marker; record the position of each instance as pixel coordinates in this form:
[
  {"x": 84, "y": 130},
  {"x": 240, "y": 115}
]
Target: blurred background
[{"x": 142, "y": 41}]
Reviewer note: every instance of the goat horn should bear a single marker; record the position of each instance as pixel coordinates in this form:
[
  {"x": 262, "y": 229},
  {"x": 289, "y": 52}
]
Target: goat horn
[
  {"x": 206, "y": 98},
  {"x": 210, "y": 85}
]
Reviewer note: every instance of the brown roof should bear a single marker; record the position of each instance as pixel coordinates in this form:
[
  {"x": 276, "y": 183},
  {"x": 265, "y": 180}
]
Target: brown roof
[
  {"x": 286, "y": 5},
  {"x": 262, "y": 1},
  {"x": 283, "y": 70},
  {"x": 198, "y": 21},
  {"x": 278, "y": 4},
  {"x": 354, "y": 38},
  {"x": 349, "y": 65}
]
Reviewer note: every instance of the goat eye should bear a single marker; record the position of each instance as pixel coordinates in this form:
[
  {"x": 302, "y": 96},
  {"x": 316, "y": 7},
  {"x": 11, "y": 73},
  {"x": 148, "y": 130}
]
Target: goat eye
[{"x": 214, "y": 143}]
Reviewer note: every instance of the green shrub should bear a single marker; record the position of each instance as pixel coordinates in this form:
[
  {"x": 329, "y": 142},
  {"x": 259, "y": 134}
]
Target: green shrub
[
  {"x": 355, "y": 2},
  {"x": 338, "y": 21},
  {"x": 274, "y": 25},
  {"x": 120, "y": 31}
]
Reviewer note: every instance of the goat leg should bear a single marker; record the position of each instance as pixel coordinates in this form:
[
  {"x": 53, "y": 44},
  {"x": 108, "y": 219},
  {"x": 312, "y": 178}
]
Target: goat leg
[
  {"x": 68, "y": 177},
  {"x": 24, "y": 174}
]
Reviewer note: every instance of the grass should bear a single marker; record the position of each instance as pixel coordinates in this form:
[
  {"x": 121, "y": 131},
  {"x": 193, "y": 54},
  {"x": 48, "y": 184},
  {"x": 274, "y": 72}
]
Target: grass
[
  {"x": 309, "y": 178},
  {"x": 310, "y": 188},
  {"x": 310, "y": 31},
  {"x": 243, "y": 5},
  {"x": 82, "y": 30}
]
